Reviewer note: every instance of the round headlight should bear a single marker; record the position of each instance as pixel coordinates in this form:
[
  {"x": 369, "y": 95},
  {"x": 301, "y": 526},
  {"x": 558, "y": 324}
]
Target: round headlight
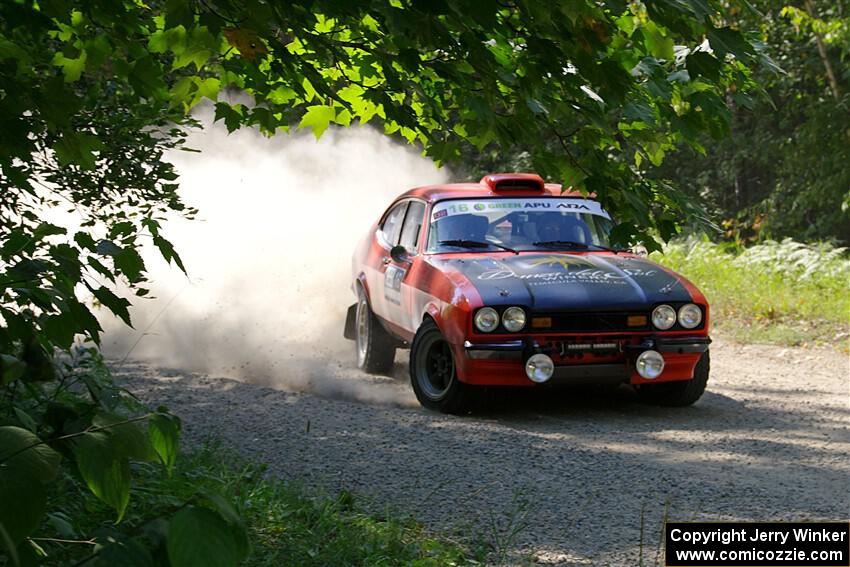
[
  {"x": 513, "y": 319},
  {"x": 690, "y": 316},
  {"x": 486, "y": 320},
  {"x": 539, "y": 368},
  {"x": 649, "y": 364},
  {"x": 663, "y": 317}
]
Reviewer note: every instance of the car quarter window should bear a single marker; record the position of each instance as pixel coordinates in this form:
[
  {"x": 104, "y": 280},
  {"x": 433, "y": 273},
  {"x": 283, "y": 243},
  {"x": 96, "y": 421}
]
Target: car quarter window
[
  {"x": 412, "y": 226},
  {"x": 391, "y": 228}
]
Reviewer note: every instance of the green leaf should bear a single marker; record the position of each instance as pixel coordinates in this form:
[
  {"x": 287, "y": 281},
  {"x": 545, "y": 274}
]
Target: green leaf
[
  {"x": 164, "y": 433},
  {"x": 47, "y": 229},
  {"x": 21, "y": 450},
  {"x": 72, "y": 68},
  {"x": 77, "y": 148},
  {"x": 170, "y": 39},
  {"x": 637, "y": 110},
  {"x": 9, "y": 50},
  {"x": 130, "y": 262},
  {"x": 728, "y": 40},
  {"x": 101, "y": 269},
  {"x": 178, "y": 13},
  {"x": 59, "y": 329},
  {"x": 199, "y": 47},
  {"x": 123, "y": 228},
  {"x": 232, "y": 115},
  {"x": 223, "y": 506},
  {"x": 85, "y": 321},
  {"x": 85, "y": 240},
  {"x": 657, "y": 43},
  {"x": 61, "y": 523},
  {"x": 118, "y": 305},
  {"x": 209, "y": 88},
  {"x": 105, "y": 468},
  {"x": 12, "y": 368},
  {"x": 125, "y": 552},
  {"x": 198, "y": 537},
  {"x": 318, "y": 118},
  {"x": 700, "y": 63},
  {"x": 127, "y": 438},
  {"x": 107, "y": 248},
  {"x": 648, "y": 66},
  {"x": 623, "y": 234},
  {"x": 701, "y": 8},
  {"x": 26, "y": 420},
  {"x": 24, "y": 501},
  {"x": 168, "y": 252}
]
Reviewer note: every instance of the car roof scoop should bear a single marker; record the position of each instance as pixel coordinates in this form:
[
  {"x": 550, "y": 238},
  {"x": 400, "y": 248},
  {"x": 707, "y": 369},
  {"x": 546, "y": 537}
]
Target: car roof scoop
[{"x": 513, "y": 182}]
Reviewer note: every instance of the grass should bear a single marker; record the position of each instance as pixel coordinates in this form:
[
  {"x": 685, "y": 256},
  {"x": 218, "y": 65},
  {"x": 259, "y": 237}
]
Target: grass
[
  {"x": 286, "y": 524},
  {"x": 784, "y": 293}
]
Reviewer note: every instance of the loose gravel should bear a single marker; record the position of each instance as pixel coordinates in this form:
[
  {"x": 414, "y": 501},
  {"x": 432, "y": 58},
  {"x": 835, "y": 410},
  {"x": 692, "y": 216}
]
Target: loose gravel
[{"x": 560, "y": 477}]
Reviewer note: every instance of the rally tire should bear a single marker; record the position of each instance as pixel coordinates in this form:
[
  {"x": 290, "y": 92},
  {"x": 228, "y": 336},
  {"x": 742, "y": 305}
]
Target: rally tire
[
  {"x": 678, "y": 394},
  {"x": 433, "y": 373},
  {"x": 375, "y": 347}
]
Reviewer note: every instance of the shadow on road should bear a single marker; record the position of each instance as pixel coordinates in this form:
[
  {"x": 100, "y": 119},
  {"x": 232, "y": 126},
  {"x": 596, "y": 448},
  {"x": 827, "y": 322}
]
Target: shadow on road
[{"x": 580, "y": 466}]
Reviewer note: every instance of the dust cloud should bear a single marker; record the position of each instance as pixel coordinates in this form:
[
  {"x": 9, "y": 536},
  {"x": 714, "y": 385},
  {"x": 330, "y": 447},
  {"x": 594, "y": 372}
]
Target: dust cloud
[{"x": 269, "y": 260}]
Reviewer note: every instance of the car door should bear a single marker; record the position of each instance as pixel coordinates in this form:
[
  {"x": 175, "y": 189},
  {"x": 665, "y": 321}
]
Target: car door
[
  {"x": 398, "y": 292},
  {"x": 387, "y": 236}
]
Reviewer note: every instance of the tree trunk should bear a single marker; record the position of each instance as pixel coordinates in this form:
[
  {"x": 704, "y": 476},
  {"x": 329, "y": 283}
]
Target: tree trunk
[{"x": 830, "y": 73}]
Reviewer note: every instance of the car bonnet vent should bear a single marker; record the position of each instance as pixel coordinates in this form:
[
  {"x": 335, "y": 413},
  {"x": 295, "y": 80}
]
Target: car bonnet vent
[{"x": 513, "y": 182}]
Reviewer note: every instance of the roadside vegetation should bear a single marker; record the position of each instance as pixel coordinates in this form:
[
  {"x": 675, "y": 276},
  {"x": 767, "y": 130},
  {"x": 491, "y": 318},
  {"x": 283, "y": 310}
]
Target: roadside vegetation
[
  {"x": 284, "y": 523},
  {"x": 775, "y": 292},
  {"x": 90, "y": 476},
  {"x": 93, "y": 95}
]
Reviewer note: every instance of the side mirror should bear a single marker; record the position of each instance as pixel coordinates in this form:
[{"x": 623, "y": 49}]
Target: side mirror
[{"x": 399, "y": 253}]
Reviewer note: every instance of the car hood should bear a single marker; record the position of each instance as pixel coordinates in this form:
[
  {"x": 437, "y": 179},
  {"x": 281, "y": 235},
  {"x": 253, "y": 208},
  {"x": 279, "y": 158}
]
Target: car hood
[{"x": 568, "y": 281}]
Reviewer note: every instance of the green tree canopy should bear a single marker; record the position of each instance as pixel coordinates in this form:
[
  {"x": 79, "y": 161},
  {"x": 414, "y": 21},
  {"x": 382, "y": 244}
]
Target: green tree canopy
[
  {"x": 93, "y": 92},
  {"x": 784, "y": 171}
]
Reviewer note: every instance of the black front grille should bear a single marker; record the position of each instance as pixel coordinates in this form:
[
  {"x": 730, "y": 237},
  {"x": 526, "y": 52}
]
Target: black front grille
[{"x": 588, "y": 322}]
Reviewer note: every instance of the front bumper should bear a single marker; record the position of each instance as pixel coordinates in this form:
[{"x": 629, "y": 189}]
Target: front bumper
[{"x": 579, "y": 359}]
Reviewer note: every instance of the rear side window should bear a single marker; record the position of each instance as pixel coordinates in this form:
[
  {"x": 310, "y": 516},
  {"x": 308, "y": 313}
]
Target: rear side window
[
  {"x": 412, "y": 226},
  {"x": 391, "y": 228}
]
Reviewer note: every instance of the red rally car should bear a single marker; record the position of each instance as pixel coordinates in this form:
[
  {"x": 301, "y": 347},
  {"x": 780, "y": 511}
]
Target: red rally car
[{"x": 510, "y": 282}]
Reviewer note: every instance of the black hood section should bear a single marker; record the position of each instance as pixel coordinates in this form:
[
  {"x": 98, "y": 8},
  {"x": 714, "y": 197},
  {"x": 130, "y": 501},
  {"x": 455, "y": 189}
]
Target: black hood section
[{"x": 555, "y": 281}]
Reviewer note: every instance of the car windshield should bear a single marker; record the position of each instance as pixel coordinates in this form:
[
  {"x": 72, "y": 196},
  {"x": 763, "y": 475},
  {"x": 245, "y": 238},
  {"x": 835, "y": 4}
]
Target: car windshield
[{"x": 519, "y": 224}]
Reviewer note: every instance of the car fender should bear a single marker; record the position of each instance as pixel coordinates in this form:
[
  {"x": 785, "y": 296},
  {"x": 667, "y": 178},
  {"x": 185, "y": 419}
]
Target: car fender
[
  {"x": 451, "y": 319},
  {"x": 362, "y": 282}
]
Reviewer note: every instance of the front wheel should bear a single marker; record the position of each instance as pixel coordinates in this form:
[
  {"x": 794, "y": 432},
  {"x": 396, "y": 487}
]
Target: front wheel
[
  {"x": 683, "y": 393},
  {"x": 432, "y": 372},
  {"x": 375, "y": 347}
]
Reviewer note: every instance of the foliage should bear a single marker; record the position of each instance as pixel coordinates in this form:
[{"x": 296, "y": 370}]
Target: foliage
[
  {"x": 617, "y": 84},
  {"x": 286, "y": 526},
  {"x": 783, "y": 171},
  {"x": 785, "y": 292},
  {"x": 78, "y": 434},
  {"x": 94, "y": 92}
]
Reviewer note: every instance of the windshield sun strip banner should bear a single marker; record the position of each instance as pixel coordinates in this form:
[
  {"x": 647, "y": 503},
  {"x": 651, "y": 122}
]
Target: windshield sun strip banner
[{"x": 478, "y": 206}]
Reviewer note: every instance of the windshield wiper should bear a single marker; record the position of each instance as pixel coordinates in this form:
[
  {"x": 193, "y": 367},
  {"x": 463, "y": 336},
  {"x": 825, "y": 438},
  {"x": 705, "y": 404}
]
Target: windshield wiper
[
  {"x": 574, "y": 244},
  {"x": 474, "y": 244}
]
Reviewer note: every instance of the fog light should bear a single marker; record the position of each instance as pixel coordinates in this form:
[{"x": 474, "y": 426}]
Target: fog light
[
  {"x": 650, "y": 364},
  {"x": 539, "y": 368}
]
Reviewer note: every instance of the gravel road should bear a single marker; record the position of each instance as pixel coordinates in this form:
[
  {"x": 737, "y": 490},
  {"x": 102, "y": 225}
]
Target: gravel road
[{"x": 586, "y": 472}]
